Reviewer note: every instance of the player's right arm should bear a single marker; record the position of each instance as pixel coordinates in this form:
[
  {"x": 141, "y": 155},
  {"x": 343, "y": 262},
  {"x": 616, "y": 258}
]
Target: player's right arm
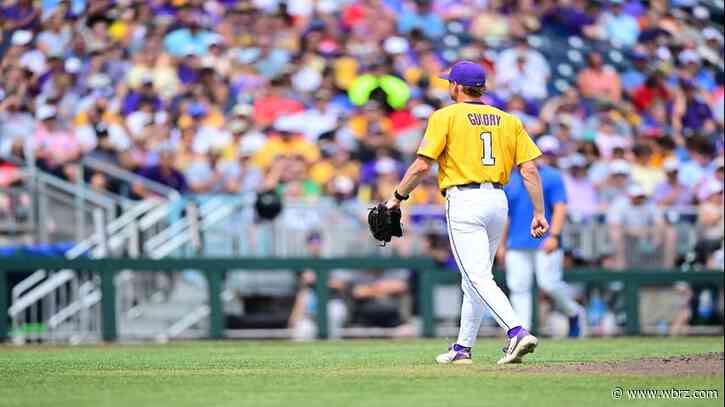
[{"x": 532, "y": 182}]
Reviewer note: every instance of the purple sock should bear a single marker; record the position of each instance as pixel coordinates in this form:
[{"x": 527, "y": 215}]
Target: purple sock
[
  {"x": 514, "y": 331},
  {"x": 458, "y": 348}
]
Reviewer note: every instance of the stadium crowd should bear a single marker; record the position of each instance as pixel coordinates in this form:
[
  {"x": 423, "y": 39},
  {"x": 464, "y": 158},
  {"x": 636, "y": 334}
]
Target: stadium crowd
[{"x": 330, "y": 97}]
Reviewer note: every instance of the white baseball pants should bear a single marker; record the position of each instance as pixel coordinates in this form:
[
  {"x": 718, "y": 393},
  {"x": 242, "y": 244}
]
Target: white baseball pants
[
  {"x": 522, "y": 265},
  {"x": 476, "y": 219}
]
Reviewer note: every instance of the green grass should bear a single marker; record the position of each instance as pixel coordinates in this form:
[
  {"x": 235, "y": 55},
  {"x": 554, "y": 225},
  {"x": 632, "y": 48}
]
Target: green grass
[{"x": 331, "y": 374}]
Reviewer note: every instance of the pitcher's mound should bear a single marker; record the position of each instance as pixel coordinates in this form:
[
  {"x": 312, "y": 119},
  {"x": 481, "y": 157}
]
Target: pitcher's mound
[{"x": 704, "y": 364}]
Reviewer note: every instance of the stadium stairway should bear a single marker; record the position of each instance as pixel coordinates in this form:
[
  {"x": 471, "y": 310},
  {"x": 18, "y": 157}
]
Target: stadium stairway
[{"x": 63, "y": 305}]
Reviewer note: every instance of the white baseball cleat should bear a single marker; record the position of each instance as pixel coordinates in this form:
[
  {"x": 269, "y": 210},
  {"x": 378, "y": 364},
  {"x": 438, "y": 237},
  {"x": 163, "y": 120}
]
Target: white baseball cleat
[
  {"x": 518, "y": 346},
  {"x": 454, "y": 357}
]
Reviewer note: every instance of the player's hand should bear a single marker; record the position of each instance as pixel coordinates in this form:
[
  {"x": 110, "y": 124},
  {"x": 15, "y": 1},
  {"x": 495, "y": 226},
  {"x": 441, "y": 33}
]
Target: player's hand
[
  {"x": 550, "y": 245},
  {"x": 539, "y": 226},
  {"x": 392, "y": 203}
]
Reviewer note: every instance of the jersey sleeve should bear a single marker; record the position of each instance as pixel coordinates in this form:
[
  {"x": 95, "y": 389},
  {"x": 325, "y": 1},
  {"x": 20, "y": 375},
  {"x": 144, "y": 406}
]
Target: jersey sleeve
[
  {"x": 526, "y": 150},
  {"x": 434, "y": 139}
]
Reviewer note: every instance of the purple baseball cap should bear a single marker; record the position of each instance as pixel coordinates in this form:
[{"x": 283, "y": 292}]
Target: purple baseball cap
[{"x": 466, "y": 73}]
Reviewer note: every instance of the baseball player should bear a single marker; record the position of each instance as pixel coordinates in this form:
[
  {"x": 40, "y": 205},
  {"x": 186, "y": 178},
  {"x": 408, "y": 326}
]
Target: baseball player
[
  {"x": 476, "y": 146},
  {"x": 523, "y": 254}
]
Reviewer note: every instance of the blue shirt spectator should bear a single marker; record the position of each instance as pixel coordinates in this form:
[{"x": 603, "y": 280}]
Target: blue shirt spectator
[
  {"x": 421, "y": 17},
  {"x": 621, "y": 28},
  {"x": 182, "y": 41},
  {"x": 521, "y": 209}
]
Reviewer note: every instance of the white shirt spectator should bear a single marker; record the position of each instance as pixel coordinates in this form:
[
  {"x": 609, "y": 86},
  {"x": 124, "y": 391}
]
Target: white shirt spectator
[
  {"x": 311, "y": 122},
  {"x": 529, "y": 82}
]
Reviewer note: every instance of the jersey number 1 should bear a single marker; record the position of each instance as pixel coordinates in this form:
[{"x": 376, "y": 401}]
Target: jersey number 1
[{"x": 487, "y": 158}]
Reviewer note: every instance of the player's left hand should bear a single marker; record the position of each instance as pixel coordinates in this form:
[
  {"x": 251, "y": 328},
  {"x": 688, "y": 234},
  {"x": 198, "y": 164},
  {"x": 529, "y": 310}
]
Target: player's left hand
[
  {"x": 539, "y": 226},
  {"x": 392, "y": 203}
]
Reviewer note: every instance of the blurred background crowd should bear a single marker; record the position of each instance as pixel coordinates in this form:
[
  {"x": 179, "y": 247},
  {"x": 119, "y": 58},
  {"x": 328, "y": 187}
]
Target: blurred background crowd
[{"x": 318, "y": 99}]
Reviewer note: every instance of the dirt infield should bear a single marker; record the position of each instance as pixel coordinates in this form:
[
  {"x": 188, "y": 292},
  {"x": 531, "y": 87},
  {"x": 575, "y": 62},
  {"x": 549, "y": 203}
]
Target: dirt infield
[{"x": 705, "y": 364}]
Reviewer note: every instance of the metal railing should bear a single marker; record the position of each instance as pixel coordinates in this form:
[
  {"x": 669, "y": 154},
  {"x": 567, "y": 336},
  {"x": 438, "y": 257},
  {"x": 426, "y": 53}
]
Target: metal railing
[
  {"x": 63, "y": 211},
  {"x": 113, "y": 172},
  {"x": 214, "y": 270}
]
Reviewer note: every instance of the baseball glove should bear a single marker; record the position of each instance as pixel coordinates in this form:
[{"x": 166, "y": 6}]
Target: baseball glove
[{"x": 384, "y": 223}]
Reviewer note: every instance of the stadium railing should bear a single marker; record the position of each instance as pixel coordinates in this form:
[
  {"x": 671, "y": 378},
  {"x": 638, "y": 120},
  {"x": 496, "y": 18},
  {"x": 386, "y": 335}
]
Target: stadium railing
[{"x": 430, "y": 275}]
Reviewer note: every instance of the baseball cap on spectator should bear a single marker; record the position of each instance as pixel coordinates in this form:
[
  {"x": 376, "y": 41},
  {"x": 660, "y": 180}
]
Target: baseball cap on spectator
[
  {"x": 249, "y": 146},
  {"x": 73, "y": 65},
  {"x": 664, "y": 54},
  {"x": 636, "y": 191},
  {"x": 701, "y": 13},
  {"x": 343, "y": 184},
  {"x": 671, "y": 165},
  {"x": 396, "y": 45},
  {"x": 197, "y": 110},
  {"x": 466, "y": 73},
  {"x": 710, "y": 33},
  {"x": 689, "y": 56},
  {"x": 422, "y": 111},
  {"x": 242, "y": 110},
  {"x": 45, "y": 112},
  {"x": 548, "y": 144},
  {"x": 619, "y": 167},
  {"x": 98, "y": 80},
  {"x": 21, "y": 37},
  {"x": 306, "y": 80},
  {"x": 577, "y": 161},
  {"x": 568, "y": 120},
  {"x": 386, "y": 165},
  {"x": 237, "y": 126}
]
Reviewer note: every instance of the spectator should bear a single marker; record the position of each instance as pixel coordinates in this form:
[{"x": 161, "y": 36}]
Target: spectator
[
  {"x": 583, "y": 200},
  {"x": 164, "y": 173},
  {"x": 419, "y": 15},
  {"x": 643, "y": 173},
  {"x": 671, "y": 193},
  {"x": 284, "y": 143},
  {"x": 190, "y": 39},
  {"x": 522, "y": 71},
  {"x": 598, "y": 81},
  {"x": 16, "y": 122},
  {"x": 635, "y": 76},
  {"x": 302, "y": 317},
  {"x": 617, "y": 181},
  {"x": 54, "y": 146},
  {"x": 637, "y": 229},
  {"x": 690, "y": 111},
  {"x": 710, "y": 223},
  {"x": 652, "y": 91},
  {"x": 699, "y": 152},
  {"x": 378, "y": 298},
  {"x": 621, "y": 28}
]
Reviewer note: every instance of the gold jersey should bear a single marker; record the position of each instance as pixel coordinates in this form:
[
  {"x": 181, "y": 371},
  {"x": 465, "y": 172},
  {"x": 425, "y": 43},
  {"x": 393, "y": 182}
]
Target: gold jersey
[{"x": 475, "y": 143}]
